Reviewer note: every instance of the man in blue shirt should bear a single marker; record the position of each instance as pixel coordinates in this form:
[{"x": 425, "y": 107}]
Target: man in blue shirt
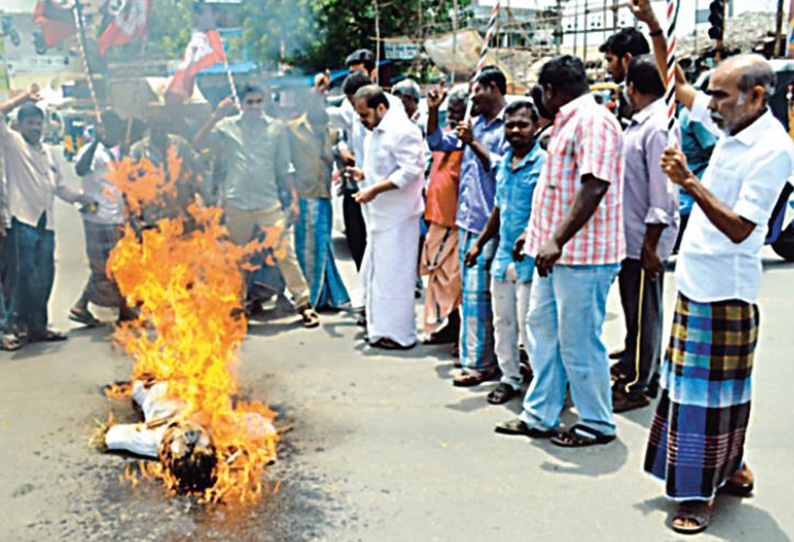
[
  {"x": 511, "y": 272},
  {"x": 485, "y": 145}
]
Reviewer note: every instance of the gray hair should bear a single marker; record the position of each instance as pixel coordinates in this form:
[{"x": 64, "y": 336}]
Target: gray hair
[
  {"x": 755, "y": 71},
  {"x": 459, "y": 93},
  {"x": 407, "y": 87}
]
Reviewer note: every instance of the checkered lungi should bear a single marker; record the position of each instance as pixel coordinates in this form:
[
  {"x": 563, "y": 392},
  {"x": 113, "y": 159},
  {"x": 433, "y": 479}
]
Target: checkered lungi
[
  {"x": 476, "y": 327},
  {"x": 100, "y": 239},
  {"x": 696, "y": 440}
]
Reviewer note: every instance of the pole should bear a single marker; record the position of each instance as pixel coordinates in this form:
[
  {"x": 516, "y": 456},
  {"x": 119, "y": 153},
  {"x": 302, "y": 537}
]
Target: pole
[
  {"x": 128, "y": 135},
  {"x": 559, "y": 26},
  {"x": 575, "y": 25},
  {"x": 672, "y": 16},
  {"x": 484, "y": 50},
  {"x": 586, "y": 31},
  {"x": 615, "y": 7},
  {"x": 232, "y": 86},
  {"x": 77, "y": 10},
  {"x": 695, "y": 52},
  {"x": 376, "y": 79},
  {"x": 454, "y": 38},
  {"x": 778, "y": 29}
]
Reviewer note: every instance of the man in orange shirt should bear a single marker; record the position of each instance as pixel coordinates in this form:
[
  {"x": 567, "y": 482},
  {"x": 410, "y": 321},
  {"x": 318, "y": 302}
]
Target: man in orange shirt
[{"x": 439, "y": 260}]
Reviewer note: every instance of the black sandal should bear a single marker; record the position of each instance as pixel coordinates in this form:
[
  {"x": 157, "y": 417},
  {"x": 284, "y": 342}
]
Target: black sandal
[
  {"x": 518, "y": 427},
  {"x": 501, "y": 394},
  {"x": 389, "y": 344},
  {"x": 580, "y": 436}
]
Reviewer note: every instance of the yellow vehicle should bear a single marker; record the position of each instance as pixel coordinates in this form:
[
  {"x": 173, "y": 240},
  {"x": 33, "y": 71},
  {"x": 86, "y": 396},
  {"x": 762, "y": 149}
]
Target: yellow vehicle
[{"x": 73, "y": 128}]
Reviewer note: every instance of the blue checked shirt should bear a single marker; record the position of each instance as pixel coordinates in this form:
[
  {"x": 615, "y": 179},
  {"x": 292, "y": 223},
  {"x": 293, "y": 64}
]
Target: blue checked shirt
[
  {"x": 477, "y": 185},
  {"x": 514, "y": 190}
]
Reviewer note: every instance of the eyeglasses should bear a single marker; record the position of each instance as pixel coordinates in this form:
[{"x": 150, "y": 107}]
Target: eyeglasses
[{"x": 254, "y": 102}]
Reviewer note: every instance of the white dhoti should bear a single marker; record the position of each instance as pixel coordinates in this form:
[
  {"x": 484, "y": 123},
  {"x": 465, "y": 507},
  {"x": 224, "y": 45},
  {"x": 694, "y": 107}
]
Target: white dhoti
[{"x": 389, "y": 276}]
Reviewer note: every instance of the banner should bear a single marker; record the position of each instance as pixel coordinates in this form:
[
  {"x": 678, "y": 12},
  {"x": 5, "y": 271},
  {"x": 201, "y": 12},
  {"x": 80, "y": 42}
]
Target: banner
[
  {"x": 56, "y": 23},
  {"x": 791, "y": 30}
]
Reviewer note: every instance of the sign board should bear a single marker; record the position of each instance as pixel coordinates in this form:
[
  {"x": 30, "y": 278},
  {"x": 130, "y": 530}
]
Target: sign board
[
  {"x": 702, "y": 16},
  {"x": 403, "y": 50}
]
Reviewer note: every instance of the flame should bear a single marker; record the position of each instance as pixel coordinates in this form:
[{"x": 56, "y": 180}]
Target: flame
[{"x": 187, "y": 284}]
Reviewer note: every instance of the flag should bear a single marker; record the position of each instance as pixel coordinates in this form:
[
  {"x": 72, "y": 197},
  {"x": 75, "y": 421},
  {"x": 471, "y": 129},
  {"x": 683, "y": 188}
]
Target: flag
[
  {"x": 56, "y": 23},
  {"x": 790, "y": 40},
  {"x": 204, "y": 50},
  {"x": 129, "y": 20}
]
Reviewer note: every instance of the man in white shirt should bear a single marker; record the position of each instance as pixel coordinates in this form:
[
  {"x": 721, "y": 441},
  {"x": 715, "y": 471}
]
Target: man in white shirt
[
  {"x": 33, "y": 181},
  {"x": 103, "y": 224},
  {"x": 391, "y": 192},
  {"x": 696, "y": 442}
]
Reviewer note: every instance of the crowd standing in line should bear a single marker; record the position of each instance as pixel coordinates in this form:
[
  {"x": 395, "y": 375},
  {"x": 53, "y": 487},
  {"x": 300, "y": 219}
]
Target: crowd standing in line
[{"x": 521, "y": 217}]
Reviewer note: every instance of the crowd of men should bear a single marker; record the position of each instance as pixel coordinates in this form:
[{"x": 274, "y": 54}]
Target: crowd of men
[{"x": 520, "y": 216}]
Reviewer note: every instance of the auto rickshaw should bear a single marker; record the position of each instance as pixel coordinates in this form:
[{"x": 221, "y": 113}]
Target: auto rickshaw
[{"x": 73, "y": 129}]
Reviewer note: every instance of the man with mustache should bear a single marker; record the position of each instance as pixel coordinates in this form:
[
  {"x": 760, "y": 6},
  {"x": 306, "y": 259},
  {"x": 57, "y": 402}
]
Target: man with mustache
[
  {"x": 696, "y": 442},
  {"x": 34, "y": 180}
]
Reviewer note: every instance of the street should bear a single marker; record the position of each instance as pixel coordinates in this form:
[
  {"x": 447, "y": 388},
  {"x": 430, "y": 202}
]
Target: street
[{"x": 378, "y": 448}]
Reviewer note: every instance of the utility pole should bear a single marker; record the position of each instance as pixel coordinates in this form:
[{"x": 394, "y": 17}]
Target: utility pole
[
  {"x": 586, "y": 31},
  {"x": 615, "y": 8},
  {"x": 575, "y": 25},
  {"x": 559, "y": 25},
  {"x": 778, "y": 29}
]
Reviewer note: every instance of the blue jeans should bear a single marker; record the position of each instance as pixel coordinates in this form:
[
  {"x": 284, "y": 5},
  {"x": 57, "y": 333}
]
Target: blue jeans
[
  {"x": 31, "y": 274},
  {"x": 566, "y": 314},
  {"x": 3, "y": 281}
]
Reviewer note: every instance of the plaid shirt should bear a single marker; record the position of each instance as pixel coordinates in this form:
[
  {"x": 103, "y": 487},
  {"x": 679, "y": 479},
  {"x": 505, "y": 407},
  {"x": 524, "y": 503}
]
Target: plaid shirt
[{"x": 586, "y": 139}]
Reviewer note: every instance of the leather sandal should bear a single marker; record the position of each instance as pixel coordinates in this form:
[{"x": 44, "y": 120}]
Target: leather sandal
[
  {"x": 467, "y": 380},
  {"x": 692, "y": 517},
  {"x": 518, "y": 427},
  {"x": 580, "y": 436}
]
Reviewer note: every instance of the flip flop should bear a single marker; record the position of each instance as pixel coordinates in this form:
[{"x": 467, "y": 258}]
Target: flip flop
[
  {"x": 580, "y": 436},
  {"x": 518, "y": 427},
  {"x": 10, "y": 342},
  {"x": 696, "y": 512},
  {"x": 84, "y": 317},
  {"x": 49, "y": 336},
  {"x": 467, "y": 380}
]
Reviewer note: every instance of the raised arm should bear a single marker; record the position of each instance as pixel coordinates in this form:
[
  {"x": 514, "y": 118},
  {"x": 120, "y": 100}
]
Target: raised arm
[
  {"x": 642, "y": 10},
  {"x": 32, "y": 93},
  {"x": 219, "y": 114}
]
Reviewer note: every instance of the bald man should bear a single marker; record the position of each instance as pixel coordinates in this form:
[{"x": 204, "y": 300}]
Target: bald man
[{"x": 696, "y": 443}]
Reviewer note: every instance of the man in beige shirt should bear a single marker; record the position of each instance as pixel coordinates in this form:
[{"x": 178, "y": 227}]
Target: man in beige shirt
[{"x": 33, "y": 180}]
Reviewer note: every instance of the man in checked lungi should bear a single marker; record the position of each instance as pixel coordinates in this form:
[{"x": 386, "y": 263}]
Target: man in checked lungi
[
  {"x": 696, "y": 442},
  {"x": 311, "y": 146},
  {"x": 484, "y": 146},
  {"x": 103, "y": 223}
]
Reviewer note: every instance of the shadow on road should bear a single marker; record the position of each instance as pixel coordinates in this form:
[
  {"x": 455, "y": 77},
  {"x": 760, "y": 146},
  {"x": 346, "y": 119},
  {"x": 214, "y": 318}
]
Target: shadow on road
[
  {"x": 592, "y": 462},
  {"x": 732, "y": 520}
]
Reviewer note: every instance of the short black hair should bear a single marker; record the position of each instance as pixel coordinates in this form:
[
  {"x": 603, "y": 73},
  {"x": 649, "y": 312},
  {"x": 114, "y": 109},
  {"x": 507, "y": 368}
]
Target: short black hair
[
  {"x": 515, "y": 107},
  {"x": 373, "y": 95},
  {"x": 492, "y": 74},
  {"x": 627, "y": 40},
  {"x": 566, "y": 74},
  {"x": 644, "y": 75},
  {"x": 361, "y": 56},
  {"x": 537, "y": 98},
  {"x": 355, "y": 81},
  {"x": 29, "y": 109},
  {"x": 250, "y": 88}
]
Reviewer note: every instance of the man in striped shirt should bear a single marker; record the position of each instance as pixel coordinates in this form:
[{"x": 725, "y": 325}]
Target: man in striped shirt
[{"x": 575, "y": 234}]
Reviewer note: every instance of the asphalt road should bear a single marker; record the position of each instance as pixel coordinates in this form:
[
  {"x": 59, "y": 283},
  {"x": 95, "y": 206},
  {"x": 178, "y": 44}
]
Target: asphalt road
[{"x": 383, "y": 448}]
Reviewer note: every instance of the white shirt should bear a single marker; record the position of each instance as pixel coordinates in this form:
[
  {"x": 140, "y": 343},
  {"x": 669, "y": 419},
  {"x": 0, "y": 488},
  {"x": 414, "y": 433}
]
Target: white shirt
[
  {"x": 100, "y": 189},
  {"x": 746, "y": 172},
  {"x": 393, "y": 151},
  {"x": 32, "y": 179},
  {"x": 345, "y": 118}
]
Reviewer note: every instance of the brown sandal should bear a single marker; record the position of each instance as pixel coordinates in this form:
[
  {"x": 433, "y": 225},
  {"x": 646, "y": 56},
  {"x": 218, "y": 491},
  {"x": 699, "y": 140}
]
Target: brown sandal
[
  {"x": 467, "y": 380},
  {"x": 692, "y": 517}
]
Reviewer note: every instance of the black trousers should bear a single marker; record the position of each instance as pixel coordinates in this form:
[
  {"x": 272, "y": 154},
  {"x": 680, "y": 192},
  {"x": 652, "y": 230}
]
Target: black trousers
[
  {"x": 355, "y": 230},
  {"x": 641, "y": 298}
]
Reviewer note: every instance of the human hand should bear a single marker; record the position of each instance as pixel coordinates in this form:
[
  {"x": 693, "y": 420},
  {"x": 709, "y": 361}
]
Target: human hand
[
  {"x": 470, "y": 258},
  {"x": 643, "y": 11},
  {"x": 225, "y": 107},
  {"x": 675, "y": 167},
  {"x": 651, "y": 262},
  {"x": 464, "y": 131},
  {"x": 547, "y": 256},
  {"x": 365, "y": 196},
  {"x": 33, "y": 92},
  {"x": 322, "y": 81},
  {"x": 294, "y": 209},
  {"x": 518, "y": 248},
  {"x": 347, "y": 157},
  {"x": 435, "y": 97},
  {"x": 354, "y": 174}
]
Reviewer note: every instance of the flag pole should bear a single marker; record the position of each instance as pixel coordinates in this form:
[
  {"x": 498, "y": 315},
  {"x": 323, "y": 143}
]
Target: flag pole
[
  {"x": 672, "y": 17},
  {"x": 235, "y": 97},
  {"x": 77, "y": 10}
]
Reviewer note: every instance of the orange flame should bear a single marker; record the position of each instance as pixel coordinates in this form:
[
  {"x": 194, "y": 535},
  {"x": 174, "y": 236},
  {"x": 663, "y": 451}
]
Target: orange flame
[{"x": 187, "y": 285}]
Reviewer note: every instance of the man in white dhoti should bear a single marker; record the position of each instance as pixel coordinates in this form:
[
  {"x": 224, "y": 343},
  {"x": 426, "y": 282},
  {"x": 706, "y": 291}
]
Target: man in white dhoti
[{"x": 391, "y": 193}]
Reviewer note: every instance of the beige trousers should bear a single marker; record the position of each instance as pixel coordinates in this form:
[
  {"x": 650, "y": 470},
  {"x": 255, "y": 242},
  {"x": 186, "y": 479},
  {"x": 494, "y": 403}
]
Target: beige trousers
[{"x": 272, "y": 221}]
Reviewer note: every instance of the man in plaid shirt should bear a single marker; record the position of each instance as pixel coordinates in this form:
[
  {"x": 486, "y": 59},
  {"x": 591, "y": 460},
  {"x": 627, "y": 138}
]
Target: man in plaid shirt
[{"x": 575, "y": 234}]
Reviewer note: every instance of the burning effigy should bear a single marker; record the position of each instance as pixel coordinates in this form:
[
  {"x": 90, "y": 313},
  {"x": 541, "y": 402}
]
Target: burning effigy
[{"x": 184, "y": 277}]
